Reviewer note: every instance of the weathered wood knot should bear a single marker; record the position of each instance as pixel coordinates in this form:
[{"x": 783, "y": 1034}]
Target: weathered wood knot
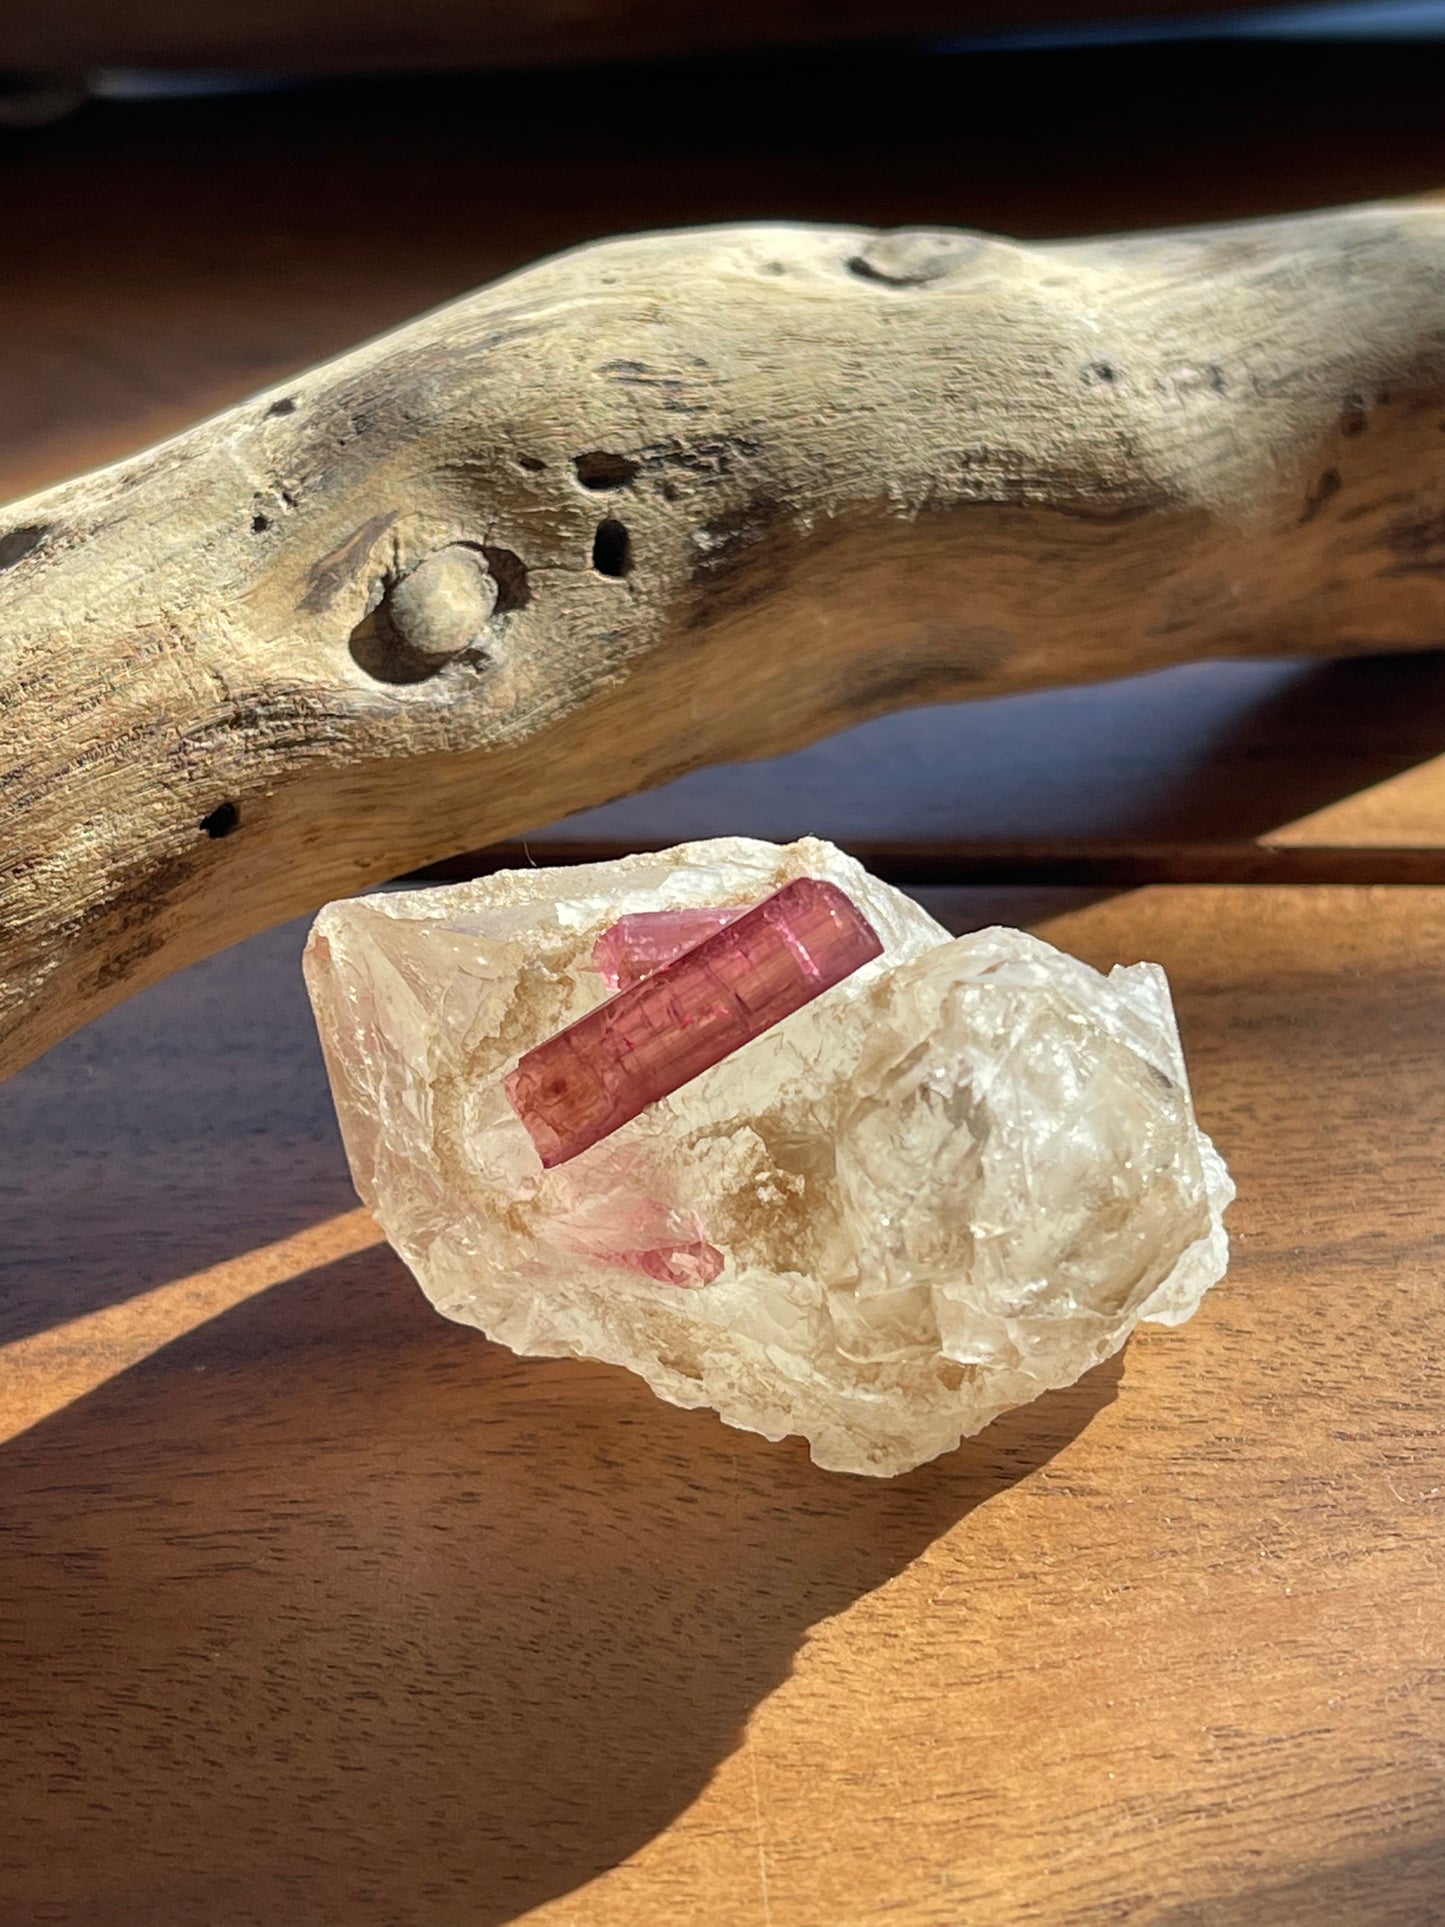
[
  {"x": 429, "y": 617},
  {"x": 911, "y": 257}
]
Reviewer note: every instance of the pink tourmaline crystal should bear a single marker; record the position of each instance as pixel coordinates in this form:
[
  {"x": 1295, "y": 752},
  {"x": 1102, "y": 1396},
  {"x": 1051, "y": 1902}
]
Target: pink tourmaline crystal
[
  {"x": 693, "y": 1264},
  {"x": 649, "y": 1040},
  {"x": 644, "y": 941}
]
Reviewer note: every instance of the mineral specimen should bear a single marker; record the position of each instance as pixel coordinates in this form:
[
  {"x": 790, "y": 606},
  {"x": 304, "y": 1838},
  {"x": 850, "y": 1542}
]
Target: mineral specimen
[
  {"x": 683, "y": 1015},
  {"x": 957, "y": 1178}
]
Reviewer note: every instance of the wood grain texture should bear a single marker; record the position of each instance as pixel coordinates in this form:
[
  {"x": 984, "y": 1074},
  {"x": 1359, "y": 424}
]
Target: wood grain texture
[
  {"x": 167, "y": 258},
  {"x": 326, "y": 1610},
  {"x": 677, "y": 499}
]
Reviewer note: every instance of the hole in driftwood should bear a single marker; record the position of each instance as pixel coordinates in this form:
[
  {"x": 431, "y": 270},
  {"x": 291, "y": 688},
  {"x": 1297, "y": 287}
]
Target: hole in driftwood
[
  {"x": 386, "y": 642},
  {"x": 260, "y": 523},
  {"x": 286, "y": 406},
  {"x": 385, "y": 655},
  {"x": 601, "y": 469},
  {"x": 509, "y": 572},
  {"x": 612, "y": 548},
  {"x": 16, "y": 544},
  {"x": 224, "y": 818},
  {"x": 1320, "y": 492},
  {"x": 532, "y": 463}
]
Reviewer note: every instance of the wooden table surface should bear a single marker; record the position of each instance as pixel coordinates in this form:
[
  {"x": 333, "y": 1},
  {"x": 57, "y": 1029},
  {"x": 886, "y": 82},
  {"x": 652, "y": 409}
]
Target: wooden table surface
[
  {"x": 321, "y": 1609},
  {"x": 318, "y": 1610}
]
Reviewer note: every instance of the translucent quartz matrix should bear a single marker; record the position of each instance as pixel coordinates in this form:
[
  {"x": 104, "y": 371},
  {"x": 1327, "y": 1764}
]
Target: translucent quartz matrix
[{"x": 956, "y": 1178}]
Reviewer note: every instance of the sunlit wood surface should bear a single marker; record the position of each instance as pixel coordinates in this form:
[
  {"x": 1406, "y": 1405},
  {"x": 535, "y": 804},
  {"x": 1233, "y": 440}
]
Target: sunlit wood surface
[
  {"x": 318, "y": 1608},
  {"x": 165, "y": 259}
]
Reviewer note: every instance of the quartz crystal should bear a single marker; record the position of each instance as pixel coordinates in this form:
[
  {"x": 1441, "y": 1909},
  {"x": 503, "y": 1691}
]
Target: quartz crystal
[{"x": 957, "y": 1178}]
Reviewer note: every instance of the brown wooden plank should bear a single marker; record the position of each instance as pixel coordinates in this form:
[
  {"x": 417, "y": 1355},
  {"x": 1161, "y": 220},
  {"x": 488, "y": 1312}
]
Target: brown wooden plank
[
  {"x": 1062, "y": 864},
  {"x": 350, "y": 36},
  {"x": 1405, "y": 809},
  {"x": 326, "y": 1609}
]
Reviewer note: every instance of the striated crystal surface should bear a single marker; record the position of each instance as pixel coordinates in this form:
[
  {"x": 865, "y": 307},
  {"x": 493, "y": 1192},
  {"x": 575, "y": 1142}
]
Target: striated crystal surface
[
  {"x": 684, "y": 1016},
  {"x": 957, "y": 1178}
]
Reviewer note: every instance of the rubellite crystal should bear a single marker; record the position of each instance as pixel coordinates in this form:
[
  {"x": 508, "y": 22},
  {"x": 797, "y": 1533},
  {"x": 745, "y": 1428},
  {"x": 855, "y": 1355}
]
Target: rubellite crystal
[
  {"x": 957, "y": 1178},
  {"x": 686, "y": 1015},
  {"x": 637, "y": 945}
]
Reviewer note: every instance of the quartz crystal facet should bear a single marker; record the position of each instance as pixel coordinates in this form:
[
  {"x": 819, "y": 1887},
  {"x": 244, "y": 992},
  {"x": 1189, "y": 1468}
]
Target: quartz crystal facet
[{"x": 956, "y": 1178}]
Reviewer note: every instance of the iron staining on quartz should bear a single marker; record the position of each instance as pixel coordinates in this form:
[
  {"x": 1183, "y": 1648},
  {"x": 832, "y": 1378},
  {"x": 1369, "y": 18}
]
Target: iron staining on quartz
[{"x": 957, "y": 1178}]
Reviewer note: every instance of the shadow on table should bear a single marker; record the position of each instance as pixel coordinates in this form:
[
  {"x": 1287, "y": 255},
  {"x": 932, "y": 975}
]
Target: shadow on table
[
  {"x": 333, "y": 1611},
  {"x": 1328, "y": 733},
  {"x": 1212, "y": 753},
  {"x": 191, "y": 1123},
  {"x": 1402, "y": 1888}
]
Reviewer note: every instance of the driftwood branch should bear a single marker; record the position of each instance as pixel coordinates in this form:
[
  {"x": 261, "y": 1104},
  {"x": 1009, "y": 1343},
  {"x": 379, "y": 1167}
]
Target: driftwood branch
[{"x": 680, "y": 499}]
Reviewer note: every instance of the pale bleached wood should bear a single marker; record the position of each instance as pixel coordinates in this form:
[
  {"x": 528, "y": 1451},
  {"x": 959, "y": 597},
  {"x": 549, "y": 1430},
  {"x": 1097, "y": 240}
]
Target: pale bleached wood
[
  {"x": 735, "y": 488},
  {"x": 330, "y": 1611}
]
